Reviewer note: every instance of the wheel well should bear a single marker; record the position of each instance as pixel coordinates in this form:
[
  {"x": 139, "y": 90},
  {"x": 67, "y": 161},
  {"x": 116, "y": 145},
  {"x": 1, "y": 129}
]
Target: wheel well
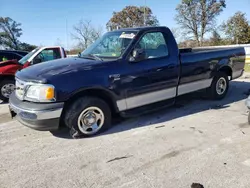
[
  {"x": 99, "y": 93},
  {"x": 7, "y": 77},
  {"x": 227, "y": 70}
]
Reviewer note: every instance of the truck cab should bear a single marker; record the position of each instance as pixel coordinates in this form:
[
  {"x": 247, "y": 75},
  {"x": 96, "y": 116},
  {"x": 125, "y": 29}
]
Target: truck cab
[{"x": 9, "y": 67}]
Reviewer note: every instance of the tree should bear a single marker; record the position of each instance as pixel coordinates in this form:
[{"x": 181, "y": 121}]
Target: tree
[
  {"x": 177, "y": 34},
  {"x": 197, "y": 17},
  {"x": 237, "y": 28},
  {"x": 132, "y": 16},
  {"x": 10, "y": 31},
  {"x": 86, "y": 33},
  {"x": 26, "y": 47},
  {"x": 215, "y": 39}
]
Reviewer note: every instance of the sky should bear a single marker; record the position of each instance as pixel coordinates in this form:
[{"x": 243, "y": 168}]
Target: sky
[{"x": 49, "y": 22}]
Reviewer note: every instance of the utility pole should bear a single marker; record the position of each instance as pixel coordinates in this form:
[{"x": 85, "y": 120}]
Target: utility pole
[
  {"x": 145, "y": 13},
  {"x": 66, "y": 28}
]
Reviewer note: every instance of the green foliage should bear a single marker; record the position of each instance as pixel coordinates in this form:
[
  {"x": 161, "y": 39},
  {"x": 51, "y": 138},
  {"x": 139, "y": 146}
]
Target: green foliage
[
  {"x": 215, "y": 40},
  {"x": 132, "y": 16},
  {"x": 10, "y": 31},
  {"x": 197, "y": 17},
  {"x": 27, "y": 47},
  {"x": 237, "y": 28}
]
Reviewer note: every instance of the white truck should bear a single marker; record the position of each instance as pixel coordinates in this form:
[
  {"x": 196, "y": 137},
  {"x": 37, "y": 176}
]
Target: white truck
[{"x": 10, "y": 67}]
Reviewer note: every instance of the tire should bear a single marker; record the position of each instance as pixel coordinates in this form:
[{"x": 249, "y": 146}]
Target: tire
[
  {"x": 92, "y": 109},
  {"x": 215, "y": 92},
  {"x": 4, "y": 92}
]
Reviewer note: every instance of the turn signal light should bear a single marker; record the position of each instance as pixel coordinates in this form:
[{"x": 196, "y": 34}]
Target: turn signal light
[{"x": 50, "y": 94}]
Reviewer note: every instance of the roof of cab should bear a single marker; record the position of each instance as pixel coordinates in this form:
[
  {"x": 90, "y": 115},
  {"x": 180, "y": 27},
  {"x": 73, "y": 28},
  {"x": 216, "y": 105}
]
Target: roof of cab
[
  {"x": 14, "y": 51},
  {"x": 141, "y": 28}
]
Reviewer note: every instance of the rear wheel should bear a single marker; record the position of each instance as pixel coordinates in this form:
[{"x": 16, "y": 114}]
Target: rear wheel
[
  {"x": 6, "y": 88},
  {"x": 219, "y": 86},
  {"x": 88, "y": 116}
]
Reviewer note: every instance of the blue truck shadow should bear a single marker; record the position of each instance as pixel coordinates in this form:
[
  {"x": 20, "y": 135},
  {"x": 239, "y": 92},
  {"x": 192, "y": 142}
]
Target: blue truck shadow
[{"x": 186, "y": 105}]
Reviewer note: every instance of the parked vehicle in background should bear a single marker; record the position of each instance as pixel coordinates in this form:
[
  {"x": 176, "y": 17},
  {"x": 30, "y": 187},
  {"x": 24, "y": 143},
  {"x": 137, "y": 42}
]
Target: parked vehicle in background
[
  {"x": 126, "y": 72},
  {"x": 9, "y": 67},
  {"x": 11, "y": 54}
]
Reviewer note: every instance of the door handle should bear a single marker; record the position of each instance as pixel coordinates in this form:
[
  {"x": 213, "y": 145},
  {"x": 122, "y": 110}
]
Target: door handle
[{"x": 171, "y": 66}]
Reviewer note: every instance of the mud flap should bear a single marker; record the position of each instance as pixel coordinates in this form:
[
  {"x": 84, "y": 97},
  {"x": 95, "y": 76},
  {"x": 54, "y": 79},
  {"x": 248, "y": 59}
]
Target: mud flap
[{"x": 12, "y": 113}]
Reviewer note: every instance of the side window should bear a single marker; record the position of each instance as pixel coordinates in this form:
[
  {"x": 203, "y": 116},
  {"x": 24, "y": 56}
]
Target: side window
[
  {"x": 7, "y": 56},
  {"x": 47, "y": 55},
  {"x": 154, "y": 45},
  {"x": 1, "y": 56},
  {"x": 16, "y": 56}
]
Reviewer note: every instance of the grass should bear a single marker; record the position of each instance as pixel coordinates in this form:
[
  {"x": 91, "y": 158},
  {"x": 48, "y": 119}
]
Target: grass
[{"x": 247, "y": 67}]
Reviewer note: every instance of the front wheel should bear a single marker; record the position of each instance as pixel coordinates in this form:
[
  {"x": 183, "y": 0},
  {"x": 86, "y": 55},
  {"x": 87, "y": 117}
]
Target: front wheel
[
  {"x": 87, "y": 116},
  {"x": 219, "y": 86},
  {"x": 6, "y": 88}
]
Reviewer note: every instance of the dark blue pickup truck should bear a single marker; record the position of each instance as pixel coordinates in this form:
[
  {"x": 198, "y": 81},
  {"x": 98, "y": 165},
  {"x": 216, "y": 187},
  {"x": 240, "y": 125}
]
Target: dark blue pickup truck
[{"x": 125, "y": 72}]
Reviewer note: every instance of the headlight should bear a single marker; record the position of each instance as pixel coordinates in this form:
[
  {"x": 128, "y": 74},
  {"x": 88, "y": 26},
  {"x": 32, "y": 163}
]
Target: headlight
[{"x": 40, "y": 93}]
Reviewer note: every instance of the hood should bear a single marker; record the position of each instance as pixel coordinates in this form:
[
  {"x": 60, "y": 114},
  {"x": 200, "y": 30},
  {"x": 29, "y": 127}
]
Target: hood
[{"x": 43, "y": 71}]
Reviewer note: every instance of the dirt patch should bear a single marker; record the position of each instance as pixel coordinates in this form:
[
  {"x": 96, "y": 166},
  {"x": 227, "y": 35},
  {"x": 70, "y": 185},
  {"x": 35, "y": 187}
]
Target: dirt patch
[
  {"x": 4, "y": 118},
  {"x": 244, "y": 125}
]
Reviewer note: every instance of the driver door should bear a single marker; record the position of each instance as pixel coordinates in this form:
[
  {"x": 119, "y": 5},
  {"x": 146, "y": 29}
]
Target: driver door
[{"x": 156, "y": 76}]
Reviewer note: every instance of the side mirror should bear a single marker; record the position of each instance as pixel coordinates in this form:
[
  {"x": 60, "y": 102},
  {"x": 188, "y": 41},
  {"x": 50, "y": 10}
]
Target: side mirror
[
  {"x": 138, "y": 55},
  {"x": 79, "y": 54},
  {"x": 36, "y": 60}
]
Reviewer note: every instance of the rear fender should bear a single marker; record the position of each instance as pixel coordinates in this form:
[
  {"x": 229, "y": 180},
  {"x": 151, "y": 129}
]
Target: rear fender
[{"x": 225, "y": 66}]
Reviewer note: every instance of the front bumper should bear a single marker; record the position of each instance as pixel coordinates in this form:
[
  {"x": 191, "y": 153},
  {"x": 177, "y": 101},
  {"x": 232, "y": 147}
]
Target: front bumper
[{"x": 43, "y": 117}]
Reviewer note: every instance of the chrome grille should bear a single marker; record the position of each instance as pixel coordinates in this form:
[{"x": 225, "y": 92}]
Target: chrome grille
[{"x": 20, "y": 89}]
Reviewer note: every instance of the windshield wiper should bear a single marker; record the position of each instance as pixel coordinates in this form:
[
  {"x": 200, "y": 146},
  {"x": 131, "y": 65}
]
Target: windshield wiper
[
  {"x": 96, "y": 57},
  {"x": 91, "y": 56}
]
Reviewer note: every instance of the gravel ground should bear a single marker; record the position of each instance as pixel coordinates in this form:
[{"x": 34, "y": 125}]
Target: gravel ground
[{"x": 197, "y": 141}]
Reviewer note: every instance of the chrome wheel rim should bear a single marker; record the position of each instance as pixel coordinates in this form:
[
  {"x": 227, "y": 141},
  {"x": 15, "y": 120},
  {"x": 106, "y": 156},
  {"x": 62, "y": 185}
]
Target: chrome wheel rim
[
  {"x": 221, "y": 86},
  {"x": 90, "y": 120},
  {"x": 7, "y": 89}
]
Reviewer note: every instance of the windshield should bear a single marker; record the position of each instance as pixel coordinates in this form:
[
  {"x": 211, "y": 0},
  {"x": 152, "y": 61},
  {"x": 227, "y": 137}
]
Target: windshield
[
  {"x": 25, "y": 58},
  {"x": 110, "y": 45}
]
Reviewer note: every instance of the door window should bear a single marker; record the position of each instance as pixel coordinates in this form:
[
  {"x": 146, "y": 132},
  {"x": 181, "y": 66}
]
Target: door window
[
  {"x": 47, "y": 55},
  {"x": 154, "y": 45}
]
